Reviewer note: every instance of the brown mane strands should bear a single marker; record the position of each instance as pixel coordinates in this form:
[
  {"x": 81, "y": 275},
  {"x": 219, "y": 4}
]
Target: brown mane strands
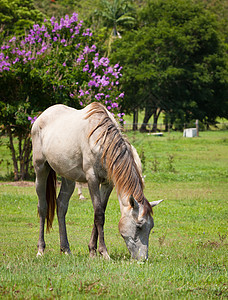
[{"x": 117, "y": 156}]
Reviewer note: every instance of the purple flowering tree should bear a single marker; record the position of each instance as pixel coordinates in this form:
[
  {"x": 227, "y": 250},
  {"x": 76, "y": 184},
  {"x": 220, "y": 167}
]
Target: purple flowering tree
[{"x": 56, "y": 62}]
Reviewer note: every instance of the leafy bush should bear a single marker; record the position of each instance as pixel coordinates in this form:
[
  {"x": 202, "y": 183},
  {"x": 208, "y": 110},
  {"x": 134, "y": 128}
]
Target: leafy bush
[{"x": 53, "y": 63}]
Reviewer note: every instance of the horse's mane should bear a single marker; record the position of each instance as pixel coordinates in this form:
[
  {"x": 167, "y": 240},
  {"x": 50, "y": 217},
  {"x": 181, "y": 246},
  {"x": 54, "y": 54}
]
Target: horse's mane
[{"x": 117, "y": 156}]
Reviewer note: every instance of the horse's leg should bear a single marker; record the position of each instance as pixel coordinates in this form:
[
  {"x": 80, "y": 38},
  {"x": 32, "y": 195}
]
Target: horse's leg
[
  {"x": 99, "y": 199},
  {"x": 80, "y": 195},
  {"x": 66, "y": 190},
  {"x": 105, "y": 191},
  {"x": 42, "y": 171}
]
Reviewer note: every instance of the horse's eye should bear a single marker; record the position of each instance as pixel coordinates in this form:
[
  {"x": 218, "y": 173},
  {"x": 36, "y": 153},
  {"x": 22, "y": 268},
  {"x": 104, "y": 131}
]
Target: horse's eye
[{"x": 140, "y": 223}]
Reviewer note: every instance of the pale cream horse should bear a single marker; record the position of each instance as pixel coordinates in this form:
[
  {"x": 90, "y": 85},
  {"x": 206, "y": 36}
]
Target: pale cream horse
[{"x": 87, "y": 146}]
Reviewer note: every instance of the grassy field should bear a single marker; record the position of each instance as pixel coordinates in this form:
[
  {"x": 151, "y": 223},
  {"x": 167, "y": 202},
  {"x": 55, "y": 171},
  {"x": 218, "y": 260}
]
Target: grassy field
[{"x": 188, "y": 245}]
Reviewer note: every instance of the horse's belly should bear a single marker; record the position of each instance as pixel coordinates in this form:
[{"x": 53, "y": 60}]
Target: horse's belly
[{"x": 65, "y": 159}]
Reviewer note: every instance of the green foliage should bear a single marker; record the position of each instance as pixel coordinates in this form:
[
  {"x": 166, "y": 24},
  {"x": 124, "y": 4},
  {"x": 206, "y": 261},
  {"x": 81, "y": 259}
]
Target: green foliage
[
  {"x": 175, "y": 61},
  {"x": 116, "y": 12},
  {"x": 113, "y": 18},
  {"x": 58, "y": 8},
  {"x": 16, "y": 16}
]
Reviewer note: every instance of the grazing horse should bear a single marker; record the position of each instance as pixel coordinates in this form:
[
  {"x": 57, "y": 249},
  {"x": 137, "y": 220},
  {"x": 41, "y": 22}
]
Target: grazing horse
[{"x": 87, "y": 146}]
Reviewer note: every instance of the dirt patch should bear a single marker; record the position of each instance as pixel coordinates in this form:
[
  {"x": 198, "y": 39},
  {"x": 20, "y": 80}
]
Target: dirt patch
[
  {"x": 18, "y": 183},
  {"x": 30, "y": 183}
]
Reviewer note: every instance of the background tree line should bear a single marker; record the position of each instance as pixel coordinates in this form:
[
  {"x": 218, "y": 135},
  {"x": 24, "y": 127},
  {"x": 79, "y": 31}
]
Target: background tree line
[{"x": 173, "y": 56}]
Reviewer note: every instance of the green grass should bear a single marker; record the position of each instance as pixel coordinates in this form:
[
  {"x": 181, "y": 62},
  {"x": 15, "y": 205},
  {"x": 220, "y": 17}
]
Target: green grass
[{"x": 188, "y": 245}]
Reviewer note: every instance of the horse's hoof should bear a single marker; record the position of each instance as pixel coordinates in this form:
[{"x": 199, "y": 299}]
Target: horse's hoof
[
  {"x": 105, "y": 255},
  {"x": 92, "y": 253},
  {"x": 40, "y": 253},
  {"x": 65, "y": 251}
]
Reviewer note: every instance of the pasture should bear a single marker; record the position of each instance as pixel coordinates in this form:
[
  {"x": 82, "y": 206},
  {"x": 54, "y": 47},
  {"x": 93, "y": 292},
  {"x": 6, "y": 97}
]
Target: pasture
[{"x": 188, "y": 244}]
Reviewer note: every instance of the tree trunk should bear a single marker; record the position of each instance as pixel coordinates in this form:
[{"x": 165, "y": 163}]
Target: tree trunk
[
  {"x": 135, "y": 120},
  {"x": 24, "y": 155},
  {"x": 148, "y": 113},
  {"x": 156, "y": 116},
  {"x": 21, "y": 162},
  {"x": 27, "y": 156},
  {"x": 13, "y": 153}
]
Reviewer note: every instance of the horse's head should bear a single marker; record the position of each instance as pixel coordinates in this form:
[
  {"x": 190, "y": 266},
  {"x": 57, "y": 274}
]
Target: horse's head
[{"x": 135, "y": 226}]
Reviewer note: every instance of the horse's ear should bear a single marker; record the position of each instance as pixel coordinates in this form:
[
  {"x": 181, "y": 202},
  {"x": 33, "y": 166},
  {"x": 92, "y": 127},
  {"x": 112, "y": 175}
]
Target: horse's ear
[
  {"x": 133, "y": 202},
  {"x": 154, "y": 203}
]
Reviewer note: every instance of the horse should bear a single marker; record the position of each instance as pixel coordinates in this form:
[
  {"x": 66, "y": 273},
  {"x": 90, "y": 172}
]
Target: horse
[{"x": 87, "y": 146}]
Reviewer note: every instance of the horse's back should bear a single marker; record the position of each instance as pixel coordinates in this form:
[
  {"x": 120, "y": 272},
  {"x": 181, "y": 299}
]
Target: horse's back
[
  {"x": 60, "y": 135},
  {"x": 58, "y": 121},
  {"x": 54, "y": 114}
]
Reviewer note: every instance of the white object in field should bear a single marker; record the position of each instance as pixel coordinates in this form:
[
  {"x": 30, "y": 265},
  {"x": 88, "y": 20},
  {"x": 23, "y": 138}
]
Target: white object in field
[{"x": 190, "y": 132}]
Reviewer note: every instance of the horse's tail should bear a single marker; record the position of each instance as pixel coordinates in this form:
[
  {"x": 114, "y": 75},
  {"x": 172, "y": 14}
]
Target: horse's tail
[{"x": 51, "y": 198}]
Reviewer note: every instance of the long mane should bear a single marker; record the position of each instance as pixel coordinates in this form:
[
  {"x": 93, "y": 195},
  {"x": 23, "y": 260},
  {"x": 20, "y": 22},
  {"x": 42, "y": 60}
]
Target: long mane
[{"x": 117, "y": 155}]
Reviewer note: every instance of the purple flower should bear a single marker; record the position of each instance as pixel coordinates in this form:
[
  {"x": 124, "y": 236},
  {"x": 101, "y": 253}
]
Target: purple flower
[
  {"x": 86, "y": 49},
  {"x": 104, "y": 81},
  {"x": 74, "y": 18},
  {"x": 28, "y": 53},
  {"x": 52, "y": 20},
  {"x": 12, "y": 40},
  {"x": 16, "y": 60},
  {"x": 93, "y": 48},
  {"x": 86, "y": 68},
  {"x": 114, "y": 105},
  {"x": 81, "y": 93},
  {"x": 104, "y": 61},
  {"x": 36, "y": 27},
  {"x": 81, "y": 57},
  {"x": 32, "y": 120},
  {"x": 92, "y": 83},
  {"x": 121, "y": 95}
]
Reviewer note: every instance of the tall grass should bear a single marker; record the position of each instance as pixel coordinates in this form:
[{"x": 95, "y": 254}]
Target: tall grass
[{"x": 188, "y": 245}]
